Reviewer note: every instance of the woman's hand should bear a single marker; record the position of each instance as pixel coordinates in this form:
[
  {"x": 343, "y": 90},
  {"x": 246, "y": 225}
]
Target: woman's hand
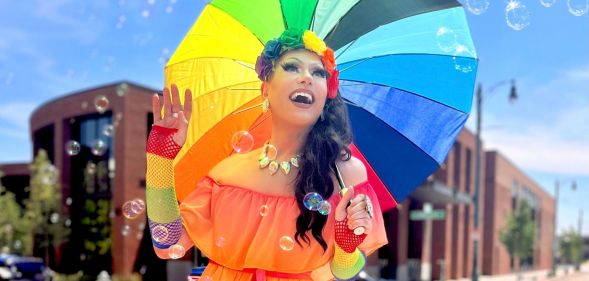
[
  {"x": 356, "y": 212},
  {"x": 176, "y": 115}
]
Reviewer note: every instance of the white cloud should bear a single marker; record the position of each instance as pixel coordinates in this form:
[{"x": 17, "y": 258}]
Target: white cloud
[
  {"x": 546, "y": 130},
  {"x": 538, "y": 149},
  {"x": 17, "y": 114}
]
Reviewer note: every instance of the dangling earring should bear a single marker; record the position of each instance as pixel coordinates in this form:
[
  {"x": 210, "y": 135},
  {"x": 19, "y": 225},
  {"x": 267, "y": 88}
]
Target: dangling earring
[
  {"x": 321, "y": 116},
  {"x": 265, "y": 105}
]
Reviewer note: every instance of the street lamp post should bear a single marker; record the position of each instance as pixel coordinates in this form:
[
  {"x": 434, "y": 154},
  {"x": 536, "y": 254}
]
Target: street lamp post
[
  {"x": 557, "y": 184},
  {"x": 477, "y": 176}
]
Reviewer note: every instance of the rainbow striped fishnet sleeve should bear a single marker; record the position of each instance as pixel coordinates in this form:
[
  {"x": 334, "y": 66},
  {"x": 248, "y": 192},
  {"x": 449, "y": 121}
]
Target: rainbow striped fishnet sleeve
[
  {"x": 347, "y": 265},
  {"x": 162, "y": 206},
  {"x": 347, "y": 261}
]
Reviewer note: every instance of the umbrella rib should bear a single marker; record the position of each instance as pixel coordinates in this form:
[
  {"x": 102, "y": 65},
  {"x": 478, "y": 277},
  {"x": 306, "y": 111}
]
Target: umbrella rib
[
  {"x": 225, "y": 87},
  {"x": 409, "y": 92},
  {"x": 400, "y": 133},
  {"x": 350, "y": 45}
]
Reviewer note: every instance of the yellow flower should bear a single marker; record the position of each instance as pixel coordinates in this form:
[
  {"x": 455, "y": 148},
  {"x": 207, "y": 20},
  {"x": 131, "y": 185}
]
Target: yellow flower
[{"x": 313, "y": 43}]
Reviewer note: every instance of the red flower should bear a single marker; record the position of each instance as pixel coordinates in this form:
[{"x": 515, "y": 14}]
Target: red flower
[
  {"x": 329, "y": 60},
  {"x": 333, "y": 84}
]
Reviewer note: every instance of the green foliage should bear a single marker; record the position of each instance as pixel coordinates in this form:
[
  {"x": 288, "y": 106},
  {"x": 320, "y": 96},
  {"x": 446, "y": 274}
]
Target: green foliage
[
  {"x": 43, "y": 207},
  {"x": 14, "y": 237},
  {"x": 571, "y": 246},
  {"x": 519, "y": 235}
]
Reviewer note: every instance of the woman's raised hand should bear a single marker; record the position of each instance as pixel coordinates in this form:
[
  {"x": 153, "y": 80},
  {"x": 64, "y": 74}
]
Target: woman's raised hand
[
  {"x": 176, "y": 115},
  {"x": 355, "y": 209}
]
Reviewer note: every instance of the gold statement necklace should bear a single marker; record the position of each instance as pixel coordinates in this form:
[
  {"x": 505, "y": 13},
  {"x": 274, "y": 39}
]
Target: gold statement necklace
[{"x": 268, "y": 159}]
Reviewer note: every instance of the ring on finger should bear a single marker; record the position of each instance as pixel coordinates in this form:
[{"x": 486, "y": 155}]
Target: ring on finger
[{"x": 369, "y": 207}]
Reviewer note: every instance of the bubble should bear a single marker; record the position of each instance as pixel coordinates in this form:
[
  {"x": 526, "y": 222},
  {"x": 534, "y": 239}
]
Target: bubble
[
  {"x": 72, "y": 147},
  {"x": 108, "y": 130},
  {"x": 140, "y": 204},
  {"x": 547, "y": 3},
  {"x": 578, "y": 7},
  {"x": 17, "y": 244},
  {"x": 141, "y": 226},
  {"x": 125, "y": 230},
  {"x": 84, "y": 105},
  {"x": 145, "y": 13},
  {"x": 463, "y": 59},
  {"x": 517, "y": 15},
  {"x": 101, "y": 103},
  {"x": 67, "y": 222},
  {"x": 112, "y": 213},
  {"x": 176, "y": 251},
  {"x": 477, "y": 7},
  {"x": 139, "y": 236},
  {"x": 312, "y": 200},
  {"x": 98, "y": 147},
  {"x": 264, "y": 210},
  {"x": 54, "y": 218},
  {"x": 220, "y": 241},
  {"x": 242, "y": 141},
  {"x": 68, "y": 201},
  {"x": 159, "y": 233},
  {"x": 324, "y": 208},
  {"x": 169, "y": 9},
  {"x": 446, "y": 38},
  {"x": 286, "y": 243},
  {"x": 150, "y": 2},
  {"x": 122, "y": 89},
  {"x": 131, "y": 209},
  {"x": 91, "y": 168}
]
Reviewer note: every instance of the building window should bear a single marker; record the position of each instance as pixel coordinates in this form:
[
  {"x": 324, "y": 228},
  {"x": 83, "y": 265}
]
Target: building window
[
  {"x": 456, "y": 168},
  {"x": 514, "y": 194},
  {"x": 468, "y": 170},
  {"x": 43, "y": 139}
]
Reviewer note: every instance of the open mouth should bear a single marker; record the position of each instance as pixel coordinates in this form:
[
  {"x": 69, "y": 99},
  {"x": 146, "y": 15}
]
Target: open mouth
[{"x": 302, "y": 97}]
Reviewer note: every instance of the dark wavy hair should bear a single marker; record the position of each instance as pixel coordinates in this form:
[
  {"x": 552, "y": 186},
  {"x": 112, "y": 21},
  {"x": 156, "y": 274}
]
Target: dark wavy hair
[{"x": 326, "y": 143}]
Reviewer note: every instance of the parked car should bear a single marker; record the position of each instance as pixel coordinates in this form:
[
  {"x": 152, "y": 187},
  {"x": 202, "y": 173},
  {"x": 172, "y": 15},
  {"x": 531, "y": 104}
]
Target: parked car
[{"x": 19, "y": 268}]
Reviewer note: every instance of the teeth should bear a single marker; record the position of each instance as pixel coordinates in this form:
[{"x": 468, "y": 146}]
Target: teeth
[{"x": 300, "y": 96}]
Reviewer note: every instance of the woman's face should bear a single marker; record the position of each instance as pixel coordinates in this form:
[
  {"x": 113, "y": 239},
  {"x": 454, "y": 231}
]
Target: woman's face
[{"x": 297, "y": 88}]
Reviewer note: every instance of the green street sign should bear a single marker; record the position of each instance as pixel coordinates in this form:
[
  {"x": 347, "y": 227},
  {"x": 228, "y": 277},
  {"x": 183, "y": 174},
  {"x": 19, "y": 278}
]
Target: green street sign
[{"x": 423, "y": 215}]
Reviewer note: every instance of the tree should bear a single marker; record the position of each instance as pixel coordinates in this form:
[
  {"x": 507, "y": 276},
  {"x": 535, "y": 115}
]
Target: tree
[
  {"x": 13, "y": 230},
  {"x": 571, "y": 246},
  {"x": 43, "y": 207},
  {"x": 519, "y": 235}
]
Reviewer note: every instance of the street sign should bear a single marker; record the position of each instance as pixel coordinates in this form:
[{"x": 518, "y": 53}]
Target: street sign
[{"x": 424, "y": 215}]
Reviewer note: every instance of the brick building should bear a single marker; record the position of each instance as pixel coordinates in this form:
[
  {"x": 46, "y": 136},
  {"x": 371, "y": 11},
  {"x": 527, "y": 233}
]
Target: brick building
[
  {"x": 449, "y": 254},
  {"x": 119, "y": 176},
  {"x": 108, "y": 171},
  {"x": 505, "y": 187}
]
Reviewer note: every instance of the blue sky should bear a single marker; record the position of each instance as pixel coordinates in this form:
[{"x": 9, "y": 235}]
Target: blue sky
[{"x": 51, "y": 48}]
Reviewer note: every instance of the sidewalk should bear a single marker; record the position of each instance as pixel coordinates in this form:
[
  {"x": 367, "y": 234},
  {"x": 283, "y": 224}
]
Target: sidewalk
[{"x": 564, "y": 273}]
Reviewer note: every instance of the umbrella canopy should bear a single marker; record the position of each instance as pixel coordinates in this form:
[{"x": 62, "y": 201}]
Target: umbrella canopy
[{"x": 409, "y": 95}]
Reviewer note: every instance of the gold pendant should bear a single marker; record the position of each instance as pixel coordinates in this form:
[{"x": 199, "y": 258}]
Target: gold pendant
[
  {"x": 264, "y": 162},
  {"x": 295, "y": 161},
  {"x": 285, "y": 166},
  {"x": 273, "y": 167}
]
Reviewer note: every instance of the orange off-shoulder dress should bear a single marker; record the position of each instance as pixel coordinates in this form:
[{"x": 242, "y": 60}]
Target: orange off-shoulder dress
[{"x": 249, "y": 235}]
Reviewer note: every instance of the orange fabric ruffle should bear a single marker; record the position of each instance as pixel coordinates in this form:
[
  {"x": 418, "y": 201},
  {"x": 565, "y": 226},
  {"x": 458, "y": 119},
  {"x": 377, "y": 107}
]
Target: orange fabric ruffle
[{"x": 241, "y": 229}]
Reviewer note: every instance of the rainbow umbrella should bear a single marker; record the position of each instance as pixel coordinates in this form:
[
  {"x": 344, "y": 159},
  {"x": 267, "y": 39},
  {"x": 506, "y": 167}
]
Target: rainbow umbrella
[{"x": 407, "y": 72}]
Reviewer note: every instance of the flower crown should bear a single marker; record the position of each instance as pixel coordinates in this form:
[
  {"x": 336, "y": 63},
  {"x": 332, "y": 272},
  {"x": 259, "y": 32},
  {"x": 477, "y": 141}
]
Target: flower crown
[{"x": 297, "y": 39}]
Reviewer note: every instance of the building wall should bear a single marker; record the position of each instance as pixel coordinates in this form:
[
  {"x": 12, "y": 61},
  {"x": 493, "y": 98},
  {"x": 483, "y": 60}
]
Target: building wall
[
  {"x": 504, "y": 180},
  {"x": 16, "y": 178},
  {"x": 130, "y": 106}
]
